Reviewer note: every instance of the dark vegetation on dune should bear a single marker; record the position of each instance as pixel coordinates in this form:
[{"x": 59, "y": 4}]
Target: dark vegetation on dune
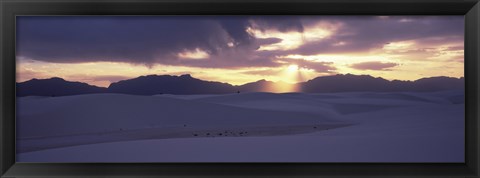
[{"x": 186, "y": 84}]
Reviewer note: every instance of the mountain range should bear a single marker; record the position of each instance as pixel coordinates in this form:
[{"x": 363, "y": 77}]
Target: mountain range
[
  {"x": 186, "y": 84},
  {"x": 56, "y": 87}
]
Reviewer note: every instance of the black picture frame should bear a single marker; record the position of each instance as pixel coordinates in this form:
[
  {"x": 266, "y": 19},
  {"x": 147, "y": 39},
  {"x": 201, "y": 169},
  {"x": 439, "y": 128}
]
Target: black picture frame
[{"x": 11, "y": 8}]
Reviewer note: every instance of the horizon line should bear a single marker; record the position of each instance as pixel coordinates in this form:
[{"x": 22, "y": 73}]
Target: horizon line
[{"x": 279, "y": 81}]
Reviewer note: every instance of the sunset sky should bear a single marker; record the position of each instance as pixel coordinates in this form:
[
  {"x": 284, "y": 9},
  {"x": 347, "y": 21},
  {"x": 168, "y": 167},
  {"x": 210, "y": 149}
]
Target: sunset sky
[{"x": 238, "y": 49}]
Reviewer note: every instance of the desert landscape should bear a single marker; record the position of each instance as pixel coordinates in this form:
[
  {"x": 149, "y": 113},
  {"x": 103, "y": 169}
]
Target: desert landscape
[
  {"x": 246, "y": 88},
  {"x": 249, "y": 127}
]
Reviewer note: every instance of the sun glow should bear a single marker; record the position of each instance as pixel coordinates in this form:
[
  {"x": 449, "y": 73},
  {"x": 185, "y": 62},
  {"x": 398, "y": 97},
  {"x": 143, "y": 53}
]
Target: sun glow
[
  {"x": 292, "y": 68},
  {"x": 281, "y": 87},
  {"x": 294, "y": 73}
]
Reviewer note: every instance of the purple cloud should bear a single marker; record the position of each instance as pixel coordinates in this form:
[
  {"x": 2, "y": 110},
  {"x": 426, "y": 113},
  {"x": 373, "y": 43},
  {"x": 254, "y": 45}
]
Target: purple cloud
[
  {"x": 373, "y": 65},
  {"x": 158, "y": 39},
  {"x": 264, "y": 72},
  {"x": 362, "y": 33}
]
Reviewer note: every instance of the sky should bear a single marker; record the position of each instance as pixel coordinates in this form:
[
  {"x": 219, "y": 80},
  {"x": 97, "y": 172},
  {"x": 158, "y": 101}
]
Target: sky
[{"x": 100, "y": 50}]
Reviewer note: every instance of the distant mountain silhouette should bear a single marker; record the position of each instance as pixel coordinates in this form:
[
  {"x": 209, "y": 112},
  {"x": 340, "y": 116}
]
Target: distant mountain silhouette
[
  {"x": 55, "y": 87},
  {"x": 344, "y": 83},
  {"x": 351, "y": 83},
  {"x": 186, "y": 84},
  {"x": 159, "y": 84},
  {"x": 438, "y": 83}
]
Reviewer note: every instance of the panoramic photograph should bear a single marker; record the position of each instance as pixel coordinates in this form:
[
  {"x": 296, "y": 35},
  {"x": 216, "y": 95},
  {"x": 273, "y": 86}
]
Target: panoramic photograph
[{"x": 359, "y": 89}]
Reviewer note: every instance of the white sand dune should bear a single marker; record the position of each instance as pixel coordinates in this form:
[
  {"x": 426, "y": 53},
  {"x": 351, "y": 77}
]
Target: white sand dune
[
  {"x": 245, "y": 127},
  {"x": 111, "y": 112},
  {"x": 75, "y": 120}
]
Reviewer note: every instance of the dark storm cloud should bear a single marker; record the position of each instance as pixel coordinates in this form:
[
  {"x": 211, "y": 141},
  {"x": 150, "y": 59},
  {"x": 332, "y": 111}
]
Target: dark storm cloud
[
  {"x": 141, "y": 40},
  {"x": 158, "y": 39},
  {"x": 236, "y": 27},
  {"x": 375, "y": 65},
  {"x": 281, "y": 23},
  {"x": 124, "y": 39}
]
